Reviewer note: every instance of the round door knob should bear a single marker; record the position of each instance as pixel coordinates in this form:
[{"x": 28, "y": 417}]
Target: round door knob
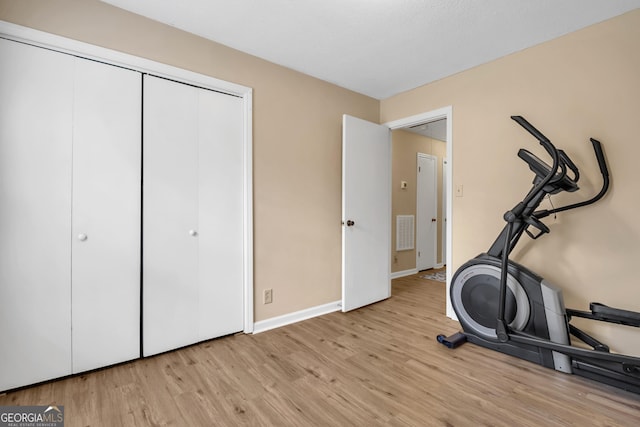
[
  {"x": 82, "y": 237},
  {"x": 193, "y": 233},
  {"x": 350, "y": 223}
]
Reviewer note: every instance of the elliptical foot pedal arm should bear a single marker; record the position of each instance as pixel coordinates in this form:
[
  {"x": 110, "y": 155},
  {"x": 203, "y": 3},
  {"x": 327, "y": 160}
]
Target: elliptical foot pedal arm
[
  {"x": 588, "y": 339},
  {"x": 452, "y": 341},
  {"x": 614, "y": 315}
]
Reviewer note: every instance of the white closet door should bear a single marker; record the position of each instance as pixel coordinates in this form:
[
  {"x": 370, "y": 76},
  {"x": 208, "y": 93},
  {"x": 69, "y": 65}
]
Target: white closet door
[
  {"x": 35, "y": 214},
  {"x": 106, "y": 215},
  {"x": 170, "y": 215},
  {"x": 193, "y": 246},
  {"x": 220, "y": 195}
]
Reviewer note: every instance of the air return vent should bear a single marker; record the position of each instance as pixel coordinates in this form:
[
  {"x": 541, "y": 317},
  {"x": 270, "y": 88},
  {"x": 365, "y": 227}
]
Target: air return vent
[{"x": 404, "y": 232}]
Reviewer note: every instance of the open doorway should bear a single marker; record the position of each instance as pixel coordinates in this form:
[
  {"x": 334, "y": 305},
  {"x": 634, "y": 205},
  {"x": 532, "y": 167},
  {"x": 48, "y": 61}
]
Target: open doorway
[
  {"x": 417, "y": 187},
  {"x": 430, "y": 193},
  {"x": 435, "y": 126}
]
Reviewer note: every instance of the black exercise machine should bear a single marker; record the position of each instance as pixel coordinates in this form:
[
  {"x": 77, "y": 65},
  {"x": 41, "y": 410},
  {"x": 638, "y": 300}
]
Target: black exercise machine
[{"x": 506, "y": 307}]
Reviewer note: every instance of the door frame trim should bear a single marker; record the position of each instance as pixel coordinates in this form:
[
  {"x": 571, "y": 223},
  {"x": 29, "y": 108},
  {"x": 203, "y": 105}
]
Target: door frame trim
[
  {"x": 65, "y": 45},
  {"x": 445, "y": 197},
  {"x": 440, "y": 113}
]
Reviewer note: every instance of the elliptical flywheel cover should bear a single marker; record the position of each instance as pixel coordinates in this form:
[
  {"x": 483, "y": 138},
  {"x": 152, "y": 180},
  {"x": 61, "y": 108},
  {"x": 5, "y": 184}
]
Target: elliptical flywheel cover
[{"x": 475, "y": 296}]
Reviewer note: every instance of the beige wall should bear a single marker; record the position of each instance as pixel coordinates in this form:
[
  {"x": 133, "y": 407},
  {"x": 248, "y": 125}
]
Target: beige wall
[
  {"x": 297, "y": 142},
  {"x": 405, "y": 148},
  {"x": 585, "y": 84}
]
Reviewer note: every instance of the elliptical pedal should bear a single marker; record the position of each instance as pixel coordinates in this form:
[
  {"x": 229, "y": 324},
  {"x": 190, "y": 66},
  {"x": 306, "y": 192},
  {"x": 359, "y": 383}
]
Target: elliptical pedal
[{"x": 453, "y": 341}]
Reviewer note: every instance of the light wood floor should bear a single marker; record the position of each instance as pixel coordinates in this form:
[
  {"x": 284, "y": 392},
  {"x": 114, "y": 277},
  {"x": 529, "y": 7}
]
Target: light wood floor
[{"x": 379, "y": 365}]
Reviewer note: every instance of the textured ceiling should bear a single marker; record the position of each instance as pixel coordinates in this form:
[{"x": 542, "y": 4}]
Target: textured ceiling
[{"x": 379, "y": 47}]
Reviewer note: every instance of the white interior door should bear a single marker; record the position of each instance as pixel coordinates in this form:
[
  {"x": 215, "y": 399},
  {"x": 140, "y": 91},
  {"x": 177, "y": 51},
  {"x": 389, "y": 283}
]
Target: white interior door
[
  {"x": 36, "y": 89},
  {"x": 106, "y": 215},
  {"x": 426, "y": 212},
  {"x": 366, "y": 212}
]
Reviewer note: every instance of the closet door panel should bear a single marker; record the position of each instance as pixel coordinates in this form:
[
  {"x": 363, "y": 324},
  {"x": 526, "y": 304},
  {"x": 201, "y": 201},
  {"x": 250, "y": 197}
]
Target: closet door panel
[
  {"x": 220, "y": 195},
  {"x": 170, "y": 215},
  {"x": 36, "y": 87},
  {"x": 106, "y": 215}
]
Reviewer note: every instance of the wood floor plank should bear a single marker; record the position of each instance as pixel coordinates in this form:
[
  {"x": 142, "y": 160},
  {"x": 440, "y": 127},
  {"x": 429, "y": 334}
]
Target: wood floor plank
[{"x": 376, "y": 366}]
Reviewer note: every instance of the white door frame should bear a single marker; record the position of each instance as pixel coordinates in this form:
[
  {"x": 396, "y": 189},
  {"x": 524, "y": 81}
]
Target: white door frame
[
  {"x": 445, "y": 194},
  {"x": 88, "y": 51},
  {"x": 441, "y": 113}
]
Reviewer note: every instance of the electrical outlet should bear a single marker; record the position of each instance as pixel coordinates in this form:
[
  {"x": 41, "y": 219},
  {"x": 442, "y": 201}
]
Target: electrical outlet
[
  {"x": 459, "y": 191},
  {"x": 268, "y": 296}
]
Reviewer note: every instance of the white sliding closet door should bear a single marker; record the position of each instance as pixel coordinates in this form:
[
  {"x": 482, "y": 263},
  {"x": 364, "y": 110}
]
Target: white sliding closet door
[
  {"x": 70, "y": 156},
  {"x": 170, "y": 216},
  {"x": 220, "y": 216},
  {"x": 106, "y": 215},
  {"x": 36, "y": 88},
  {"x": 192, "y": 215}
]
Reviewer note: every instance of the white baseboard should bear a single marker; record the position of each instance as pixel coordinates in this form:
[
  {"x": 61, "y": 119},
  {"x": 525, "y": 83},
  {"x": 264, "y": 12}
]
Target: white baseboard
[
  {"x": 440, "y": 265},
  {"x": 287, "y": 319},
  {"x": 404, "y": 273}
]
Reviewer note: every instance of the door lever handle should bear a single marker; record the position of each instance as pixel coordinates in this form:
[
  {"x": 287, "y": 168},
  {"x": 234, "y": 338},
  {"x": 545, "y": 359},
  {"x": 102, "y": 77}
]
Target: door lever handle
[{"x": 350, "y": 223}]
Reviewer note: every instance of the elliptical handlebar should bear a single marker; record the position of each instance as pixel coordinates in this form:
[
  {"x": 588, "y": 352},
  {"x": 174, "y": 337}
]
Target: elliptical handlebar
[
  {"x": 572, "y": 166},
  {"x": 544, "y": 141},
  {"x": 604, "y": 170},
  {"x": 532, "y": 130},
  {"x": 511, "y": 215},
  {"x": 602, "y": 163},
  {"x": 558, "y": 172}
]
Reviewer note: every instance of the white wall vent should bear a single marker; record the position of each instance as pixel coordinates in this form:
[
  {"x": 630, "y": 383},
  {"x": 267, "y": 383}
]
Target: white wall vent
[{"x": 405, "y": 232}]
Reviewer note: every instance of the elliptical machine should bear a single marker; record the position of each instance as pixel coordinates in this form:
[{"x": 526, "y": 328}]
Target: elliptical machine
[{"x": 506, "y": 307}]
